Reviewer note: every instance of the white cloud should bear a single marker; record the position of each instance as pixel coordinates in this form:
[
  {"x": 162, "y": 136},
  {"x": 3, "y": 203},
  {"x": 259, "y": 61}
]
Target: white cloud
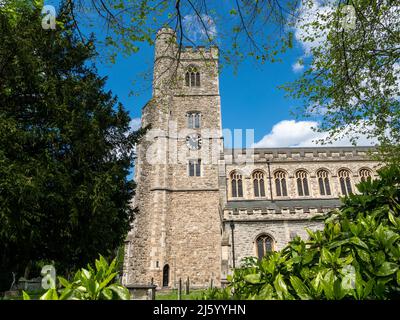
[
  {"x": 199, "y": 28},
  {"x": 135, "y": 124},
  {"x": 291, "y": 133},
  {"x": 312, "y": 11},
  {"x": 297, "y": 67}
]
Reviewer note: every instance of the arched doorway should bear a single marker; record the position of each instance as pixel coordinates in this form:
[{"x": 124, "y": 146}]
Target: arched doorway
[{"x": 165, "y": 281}]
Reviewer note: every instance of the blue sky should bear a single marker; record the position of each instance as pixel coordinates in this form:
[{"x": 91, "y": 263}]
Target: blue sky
[{"x": 250, "y": 99}]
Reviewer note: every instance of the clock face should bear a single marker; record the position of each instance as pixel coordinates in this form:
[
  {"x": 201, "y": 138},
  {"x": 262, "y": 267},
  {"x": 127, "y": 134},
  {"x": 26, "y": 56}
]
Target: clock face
[{"x": 193, "y": 141}]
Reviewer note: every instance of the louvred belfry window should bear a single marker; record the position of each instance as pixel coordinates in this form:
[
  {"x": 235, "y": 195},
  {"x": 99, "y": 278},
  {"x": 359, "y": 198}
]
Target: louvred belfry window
[{"x": 192, "y": 77}]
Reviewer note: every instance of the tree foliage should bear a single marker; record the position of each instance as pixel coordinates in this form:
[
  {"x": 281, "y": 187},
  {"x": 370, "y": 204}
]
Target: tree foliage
[
  {"x": 351, "y": 81},
  {"x": 65, "y": 148},
  {"x": 355, "y": 256},
  {"x": 93, "y": 283},
  {"x": 252, "y": 28},
  {"x": 352, "y": 76}
]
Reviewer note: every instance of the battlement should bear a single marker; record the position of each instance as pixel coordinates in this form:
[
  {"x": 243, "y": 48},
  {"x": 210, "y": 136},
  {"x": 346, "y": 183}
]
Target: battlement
[
  {"x": 200, "y": 52},
  {"x": 166, "y": 40},
  {"x": 299, "y": 154},
  {"x": 166, "y": 30}
]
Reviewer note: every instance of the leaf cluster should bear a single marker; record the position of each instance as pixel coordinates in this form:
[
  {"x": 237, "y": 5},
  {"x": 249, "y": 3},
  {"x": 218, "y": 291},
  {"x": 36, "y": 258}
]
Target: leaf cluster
[{"x": 96, "y": 283}]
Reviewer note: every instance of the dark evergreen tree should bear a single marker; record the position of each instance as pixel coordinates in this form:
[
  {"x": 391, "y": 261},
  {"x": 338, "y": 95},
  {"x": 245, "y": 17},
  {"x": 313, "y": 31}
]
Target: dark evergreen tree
[{"x": 65, "y": 148}]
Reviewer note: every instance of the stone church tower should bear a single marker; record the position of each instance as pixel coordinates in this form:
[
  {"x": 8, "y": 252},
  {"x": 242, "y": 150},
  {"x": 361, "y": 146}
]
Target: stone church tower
[
  {"x": 176, "y": 233},
  {"x": 202, "y": 209}
]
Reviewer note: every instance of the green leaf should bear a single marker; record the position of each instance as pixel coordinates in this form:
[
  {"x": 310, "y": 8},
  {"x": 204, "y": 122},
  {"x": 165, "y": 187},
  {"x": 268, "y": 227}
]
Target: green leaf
[
  {"x": 300, "y": 288},
  {"x": 280, "y": 286},
  {"x": 50, "y": 294},
  {"x": 107, "y": 294},
  {"x": 378, "y": 257},
  {"x": 387, "y": 268},
  {"x": 349, "y": 279},
  {"x": 86, "y": 274},
  {"x": 357, "y": 241},
  {"x": 335, "y": 244},
  {"x": 66, "y": 294},
  {"x": 308, "y": 256},
  {"x": 326, "y": 256},
  {"x": 328, "y": 284},
  {"x": 363, "y": 255},
  {"x": 64, "y": 282},
  {"x": 392, "y": 219},
  {"x": 107, "y": 280},
  {"x": 368, "y": 288},
  {"x": 122, "y": 292},
  {"x": 25, "y": 296},
  {"x": 92, "y": 287},
  {"x": 267, "y": 292},
  {"x": 111, "y": 267},
  {"x": 254, "y": 278}
]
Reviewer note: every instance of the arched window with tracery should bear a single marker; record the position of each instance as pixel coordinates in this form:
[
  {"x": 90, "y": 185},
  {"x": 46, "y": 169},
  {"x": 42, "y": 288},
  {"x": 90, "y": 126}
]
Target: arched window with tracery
[
  {"x": 345, "y": 182},
  {"x": 365, "y": 174},
  {"x": 192, "y": 77},
  {"x": 280, "y": 183},
  {"x": 264, "y": 245},
  {"x": 323, "y": 182},
  {"x": 302, "y": 183},
  {"x": 237, "y": 185},
  {"x": 259, "y": 184}
]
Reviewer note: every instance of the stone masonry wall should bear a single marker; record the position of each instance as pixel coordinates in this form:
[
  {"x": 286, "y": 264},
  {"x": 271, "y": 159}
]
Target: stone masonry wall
[
  {"x": 311, "y": 165},
  {"x": 194, "y": 238},
  {"x": 246, "y": 233}
]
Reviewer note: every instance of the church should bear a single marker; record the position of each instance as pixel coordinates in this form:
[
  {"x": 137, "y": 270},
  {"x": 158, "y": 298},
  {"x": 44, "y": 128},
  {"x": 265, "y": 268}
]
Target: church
[{"x": 202, "y": 208}]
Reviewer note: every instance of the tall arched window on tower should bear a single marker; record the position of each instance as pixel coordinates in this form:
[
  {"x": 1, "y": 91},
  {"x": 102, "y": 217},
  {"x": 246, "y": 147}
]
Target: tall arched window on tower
[
  {"x": 194, "y": 119},
  {"x": 365, "y": 174},
  {"x": 237, "y": 185},
  {"x": 345, "y": 182},
  {"x": 323, "y": 182},
  {"x": 302, "y": 183},
  {"x": 280, "y": 183},
  {"x": 192, "y": 77},
  {"x": 264, "y": 245},
  {"x": 258, "y": 184}
]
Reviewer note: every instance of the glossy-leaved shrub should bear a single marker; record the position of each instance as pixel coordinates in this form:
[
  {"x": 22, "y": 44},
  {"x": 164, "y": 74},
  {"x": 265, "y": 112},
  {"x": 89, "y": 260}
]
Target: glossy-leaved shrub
[
  {"x": 93, "y": 283},
  {"x": 355, "y": 256}
]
